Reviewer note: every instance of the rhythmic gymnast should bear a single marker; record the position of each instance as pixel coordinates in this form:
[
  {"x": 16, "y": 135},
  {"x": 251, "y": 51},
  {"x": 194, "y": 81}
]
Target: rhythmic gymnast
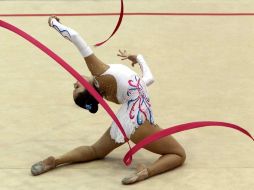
[{"x": 119, "y": 84}]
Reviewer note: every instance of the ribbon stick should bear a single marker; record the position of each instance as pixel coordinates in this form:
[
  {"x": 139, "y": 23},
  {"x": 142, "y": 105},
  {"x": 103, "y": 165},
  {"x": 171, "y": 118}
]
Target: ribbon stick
[{"x": 117, "y": 25}]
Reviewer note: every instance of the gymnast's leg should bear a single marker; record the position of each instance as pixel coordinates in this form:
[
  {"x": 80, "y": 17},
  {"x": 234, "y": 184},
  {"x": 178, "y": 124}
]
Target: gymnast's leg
[
  {"x": 95, "y": 65},
  {"x": 172, "y": 154},
  {"x": 98, "y": 150}
]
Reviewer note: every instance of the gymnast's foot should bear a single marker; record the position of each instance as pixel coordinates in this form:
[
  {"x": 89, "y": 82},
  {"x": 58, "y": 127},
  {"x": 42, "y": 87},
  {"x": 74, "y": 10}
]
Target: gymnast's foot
[
  {"x": 43, "y": 166},
  {"x": 51, "y": 19},
  {"x": 65, "y": 31},
  {"x": 71, "y": 35},
  {"x": 142, "y": 174}
]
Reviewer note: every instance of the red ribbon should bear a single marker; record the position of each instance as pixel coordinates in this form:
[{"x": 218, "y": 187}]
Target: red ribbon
[
  {"x": 128, "y": 157},
  {"x": 68, "y": 68},
  {"x": 117, "y": 25},
  {"x": 179, "y": 128}
]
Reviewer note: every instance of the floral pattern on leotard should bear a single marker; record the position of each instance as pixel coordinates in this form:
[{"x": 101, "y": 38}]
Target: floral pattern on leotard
[{"x": 139, "y": 106}]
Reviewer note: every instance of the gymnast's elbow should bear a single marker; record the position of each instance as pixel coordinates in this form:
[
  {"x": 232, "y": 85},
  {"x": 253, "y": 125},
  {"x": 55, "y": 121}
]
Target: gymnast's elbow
[{"x": 149, "y": 80}]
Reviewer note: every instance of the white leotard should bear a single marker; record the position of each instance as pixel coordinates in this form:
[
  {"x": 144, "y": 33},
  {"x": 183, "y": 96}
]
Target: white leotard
[
  {"x": 122, "y": 74},
  {"x": 132, "y": 94}
]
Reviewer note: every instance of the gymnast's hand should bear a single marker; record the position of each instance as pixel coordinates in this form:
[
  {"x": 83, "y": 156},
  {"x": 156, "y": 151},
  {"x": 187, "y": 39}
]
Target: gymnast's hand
[{"x": 125, "y": 55}]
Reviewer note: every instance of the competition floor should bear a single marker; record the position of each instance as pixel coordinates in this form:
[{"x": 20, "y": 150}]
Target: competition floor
[{"x": 203, "y": 66}]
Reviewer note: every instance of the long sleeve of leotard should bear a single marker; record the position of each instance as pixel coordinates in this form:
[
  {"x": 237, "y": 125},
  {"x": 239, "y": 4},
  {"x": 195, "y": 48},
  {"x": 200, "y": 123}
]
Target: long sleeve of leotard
[{"x": 146, "y": 72}]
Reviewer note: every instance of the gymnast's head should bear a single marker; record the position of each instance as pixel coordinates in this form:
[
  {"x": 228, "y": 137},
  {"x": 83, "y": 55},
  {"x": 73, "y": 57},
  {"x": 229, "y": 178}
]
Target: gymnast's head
[{"x": 83, "y": 98}]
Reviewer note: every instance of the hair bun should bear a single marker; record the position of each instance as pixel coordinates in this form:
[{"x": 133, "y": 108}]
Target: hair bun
[
  {"x": 94, "y": 108},
  {"x": 85, "y": 98}
]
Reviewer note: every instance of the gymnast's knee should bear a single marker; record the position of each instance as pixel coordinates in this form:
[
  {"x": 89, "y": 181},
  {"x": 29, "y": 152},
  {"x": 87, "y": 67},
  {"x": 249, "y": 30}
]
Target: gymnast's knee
[
  {"x": 182, "y": 155},
  {"x": 98, "y": 153}
]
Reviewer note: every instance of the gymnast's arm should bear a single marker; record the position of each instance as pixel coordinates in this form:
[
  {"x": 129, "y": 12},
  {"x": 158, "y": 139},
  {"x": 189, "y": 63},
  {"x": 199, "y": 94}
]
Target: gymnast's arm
[{"x": 147, "y": 75}]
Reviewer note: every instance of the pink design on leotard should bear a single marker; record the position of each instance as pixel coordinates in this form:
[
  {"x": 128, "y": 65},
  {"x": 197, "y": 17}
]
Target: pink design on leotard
[{"x": 139, "y": 102}]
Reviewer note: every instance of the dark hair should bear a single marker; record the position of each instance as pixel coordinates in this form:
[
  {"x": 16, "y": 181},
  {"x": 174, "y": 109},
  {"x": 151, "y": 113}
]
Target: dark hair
[{"x": 86, "y": 101}]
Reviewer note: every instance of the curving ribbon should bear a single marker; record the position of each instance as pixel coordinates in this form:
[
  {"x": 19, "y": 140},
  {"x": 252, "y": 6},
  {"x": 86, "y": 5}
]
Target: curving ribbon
[
  {"x": 68, "y": 68},
  {"x": 128, "y": 157},
  {"x": 179, "y": 128},
  {"x": 117, "y": 25}
]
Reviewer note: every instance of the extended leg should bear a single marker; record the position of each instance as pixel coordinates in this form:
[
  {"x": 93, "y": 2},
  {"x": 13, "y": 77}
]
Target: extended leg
[
  {"x": 87, "y": 153},
  {"x": 81, "y": 154},
  {"x": 95, "y": 65},
  {"x": 172, "y": 154}
]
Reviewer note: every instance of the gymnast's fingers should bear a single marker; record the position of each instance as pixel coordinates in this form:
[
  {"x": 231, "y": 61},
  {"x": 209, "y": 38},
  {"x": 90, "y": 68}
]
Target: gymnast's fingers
[
  {"x": 120, "y": 55},
  {"x": 121, "y": 52},
  {"x": 133, "y": 63}
]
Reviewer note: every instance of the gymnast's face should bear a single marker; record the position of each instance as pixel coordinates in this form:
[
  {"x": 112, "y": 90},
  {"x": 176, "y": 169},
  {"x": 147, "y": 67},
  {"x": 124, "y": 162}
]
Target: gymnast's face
[
  {"x": 78, "y": 88},
  {"x": 84, "y": 99}
]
